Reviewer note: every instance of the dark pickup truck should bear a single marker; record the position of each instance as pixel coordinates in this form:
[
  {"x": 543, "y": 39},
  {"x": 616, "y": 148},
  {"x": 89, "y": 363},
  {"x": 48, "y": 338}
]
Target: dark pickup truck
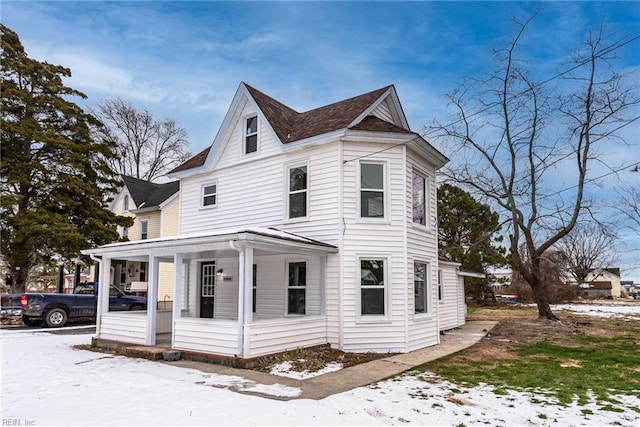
[{"x": 56, "y": 309}]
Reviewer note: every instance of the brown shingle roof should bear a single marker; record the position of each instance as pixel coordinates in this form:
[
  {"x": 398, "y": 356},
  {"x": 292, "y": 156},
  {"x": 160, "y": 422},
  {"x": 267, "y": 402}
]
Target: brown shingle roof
[
  {"x": 373, "y": 123},
  {"x": 195, "y": 161},
  {"x": 290, "y": 126}
]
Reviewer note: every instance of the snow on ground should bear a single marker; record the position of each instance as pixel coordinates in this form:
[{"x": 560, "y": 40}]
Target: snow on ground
[
  {"x": 613, "y": 309},
  {"x": 284, "y": 369},
  {"x": 47, "y": 382}
]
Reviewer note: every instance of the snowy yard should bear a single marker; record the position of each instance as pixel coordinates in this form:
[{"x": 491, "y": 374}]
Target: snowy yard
[{"x": 47, "y": 382}]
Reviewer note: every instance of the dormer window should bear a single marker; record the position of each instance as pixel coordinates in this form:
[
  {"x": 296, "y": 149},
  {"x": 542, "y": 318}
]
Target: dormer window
[{"x": 251, "y": 135}]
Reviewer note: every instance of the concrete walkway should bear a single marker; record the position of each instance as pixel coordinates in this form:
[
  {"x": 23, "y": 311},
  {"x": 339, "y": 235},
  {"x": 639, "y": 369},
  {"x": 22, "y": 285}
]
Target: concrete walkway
[{"x": 355, "y": 376}]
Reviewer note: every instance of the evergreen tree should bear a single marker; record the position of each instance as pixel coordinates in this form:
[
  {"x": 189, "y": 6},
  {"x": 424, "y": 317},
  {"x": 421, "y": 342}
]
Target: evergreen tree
[
  {"x": 468, "y": 234},
  {"x": 53, "y": 175}
]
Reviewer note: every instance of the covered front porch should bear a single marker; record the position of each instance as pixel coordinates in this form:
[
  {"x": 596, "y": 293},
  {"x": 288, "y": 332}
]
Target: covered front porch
[{"x": 242, "y": 293}]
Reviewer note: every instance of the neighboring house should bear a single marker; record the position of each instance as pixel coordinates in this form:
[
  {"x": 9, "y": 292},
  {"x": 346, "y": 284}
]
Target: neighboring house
[
  {"x": 296, "y": 230},
  {"x": 155, "y": 209},
  {"x": 611, "y": 275},
  {"x": 596, "y": 289}
]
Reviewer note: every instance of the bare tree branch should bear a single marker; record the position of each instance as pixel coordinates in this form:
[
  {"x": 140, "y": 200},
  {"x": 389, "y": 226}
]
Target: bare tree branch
[{"x": 147, "y": 148}]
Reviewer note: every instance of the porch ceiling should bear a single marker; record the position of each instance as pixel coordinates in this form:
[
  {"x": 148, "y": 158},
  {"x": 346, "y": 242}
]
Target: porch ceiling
[{"x": 264, "y": 239}]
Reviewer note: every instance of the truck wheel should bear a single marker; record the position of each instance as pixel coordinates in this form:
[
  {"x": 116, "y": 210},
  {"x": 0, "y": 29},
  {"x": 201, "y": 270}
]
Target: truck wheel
[
  {"x": 55, "y": 318},
  {"x": 31, "y": 321}
]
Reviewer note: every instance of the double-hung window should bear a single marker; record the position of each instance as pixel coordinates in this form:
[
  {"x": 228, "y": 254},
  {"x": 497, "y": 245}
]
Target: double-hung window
[
  {"x": 372, "y": 190},
  {"x": 419, "y": 198},
  {"x": 297, "y": 287},
  {"x": 251, "y": 135},
  {"x": 144, "y": 229},
  {"x": 125, "y": 232},
  {"x": 125, "y": 203},
  {"x": 209, "y": 194},
  {"x": 298, "y": 191},
  {"x": 372, "y": 288},
  {"x": 420, "y": 287}
]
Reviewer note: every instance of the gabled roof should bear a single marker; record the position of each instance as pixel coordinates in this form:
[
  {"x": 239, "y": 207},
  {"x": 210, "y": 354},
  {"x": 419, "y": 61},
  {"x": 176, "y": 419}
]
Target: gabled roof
[
  {"x": 291, "y": 126},
  {"x": 147, "y": 194}
]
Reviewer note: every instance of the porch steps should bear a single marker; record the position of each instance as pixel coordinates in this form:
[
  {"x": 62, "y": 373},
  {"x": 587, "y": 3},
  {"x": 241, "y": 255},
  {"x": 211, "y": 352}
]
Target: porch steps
[{"x": 145, "y": 352}]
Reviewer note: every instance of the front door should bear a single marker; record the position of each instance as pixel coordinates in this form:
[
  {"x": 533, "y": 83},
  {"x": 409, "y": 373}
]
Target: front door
[{"x": 207, "y": 288}]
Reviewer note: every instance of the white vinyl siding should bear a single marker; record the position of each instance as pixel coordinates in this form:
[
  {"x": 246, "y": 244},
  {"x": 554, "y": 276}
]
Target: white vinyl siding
[
  {"x": 382, "y": 111},
  {"x": 452, "y": 308}
]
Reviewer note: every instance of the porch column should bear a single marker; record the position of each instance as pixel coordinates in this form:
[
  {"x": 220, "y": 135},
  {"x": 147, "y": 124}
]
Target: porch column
[
  {"x": 102, "y": 306},
  {"x": 178, "y": 286},
  {"x": 152, "y": 298},
  {"x": 241, "y": 293},
  {"x": 323, "y": 285},
  {"x": 247, "y": 289}
]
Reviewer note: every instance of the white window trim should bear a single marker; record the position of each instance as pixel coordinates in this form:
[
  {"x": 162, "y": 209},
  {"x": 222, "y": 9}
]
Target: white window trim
[
  {"x": 287, "y": 170},
  {"x": 202, "y": 195},
  {"x": 305, "y": 287},
  {"x": 427, "y": 199},
  {"x": 144, "y": 221},
  {"x": 428, "y": 290},
  {"x": 373, "y": 318},
  {"x": 385, "y": 199},
  {"x": 126, "y": 200},
  {"x": 243, "y": 131}
]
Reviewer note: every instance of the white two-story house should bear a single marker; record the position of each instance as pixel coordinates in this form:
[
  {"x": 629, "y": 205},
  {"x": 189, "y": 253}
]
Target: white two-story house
[{"x": 296, "y": 230}]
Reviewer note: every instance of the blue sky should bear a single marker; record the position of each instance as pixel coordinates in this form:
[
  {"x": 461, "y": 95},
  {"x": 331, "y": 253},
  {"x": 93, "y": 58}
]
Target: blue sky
[{"x": 184, "y": 60}]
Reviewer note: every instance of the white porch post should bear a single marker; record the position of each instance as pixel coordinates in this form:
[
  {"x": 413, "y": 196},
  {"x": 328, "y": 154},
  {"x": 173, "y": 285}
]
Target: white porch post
[
  {"x": 241, "y": 293},
  {"x": 152, "y": 297},
  {"x": 323, "y": 285},
  {"x": 178, "y": 286},
  {"x": 247, "y": 288},
  {"x": 103, "y": 292}
]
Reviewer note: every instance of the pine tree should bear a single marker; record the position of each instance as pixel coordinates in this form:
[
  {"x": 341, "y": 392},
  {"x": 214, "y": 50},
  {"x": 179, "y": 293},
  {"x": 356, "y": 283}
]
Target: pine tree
[
  {"x": 468, "y": 234},
  {"x": 54, "y": 176}
]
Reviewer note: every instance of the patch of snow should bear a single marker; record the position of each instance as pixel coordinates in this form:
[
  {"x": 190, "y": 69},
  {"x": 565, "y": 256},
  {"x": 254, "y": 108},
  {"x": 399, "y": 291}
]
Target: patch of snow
[
  {"x": 284, "y": 369},
  {"x": 602, "y": 310}
]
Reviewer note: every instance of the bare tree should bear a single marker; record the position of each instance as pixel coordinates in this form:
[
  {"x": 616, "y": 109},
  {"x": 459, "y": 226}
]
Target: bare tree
[
  {"x": 147, "y": 148},
  {"x": 586, "y": 247},
  {"x": 514, "y": 136},
  {"x": 629, "y": 205}
]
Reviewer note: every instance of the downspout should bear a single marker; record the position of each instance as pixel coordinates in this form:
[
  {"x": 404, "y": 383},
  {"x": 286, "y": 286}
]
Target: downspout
[{"x": 241, "y": 292}]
